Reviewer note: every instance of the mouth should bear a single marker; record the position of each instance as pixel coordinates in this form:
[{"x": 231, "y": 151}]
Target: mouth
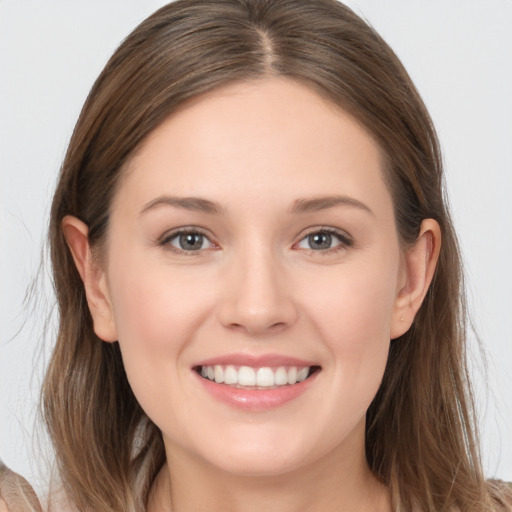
[{"x": 256, "y": 378}]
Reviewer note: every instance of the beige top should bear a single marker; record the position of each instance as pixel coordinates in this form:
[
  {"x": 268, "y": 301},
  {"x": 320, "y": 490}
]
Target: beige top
[{"x": 16, "y": 494}]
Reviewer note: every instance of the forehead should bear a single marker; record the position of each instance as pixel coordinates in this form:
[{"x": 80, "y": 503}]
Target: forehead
[{"x": 269, "y": 139}]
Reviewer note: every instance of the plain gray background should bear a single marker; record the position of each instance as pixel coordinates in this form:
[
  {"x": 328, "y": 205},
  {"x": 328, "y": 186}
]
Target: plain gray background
[{"x": 458, "y": 52}]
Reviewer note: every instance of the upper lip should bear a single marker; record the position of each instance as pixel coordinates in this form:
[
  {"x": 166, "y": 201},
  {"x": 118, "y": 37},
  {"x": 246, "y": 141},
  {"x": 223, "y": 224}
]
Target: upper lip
[{"x": 255, "y": 361}]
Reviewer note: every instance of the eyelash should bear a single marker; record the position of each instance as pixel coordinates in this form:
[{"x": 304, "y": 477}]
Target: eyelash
[
  {"x": 166, "y": 240},
  {"x": 344, "y": 240}
]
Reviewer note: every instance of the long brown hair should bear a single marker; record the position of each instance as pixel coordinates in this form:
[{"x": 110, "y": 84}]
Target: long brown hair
[{"x": 420, "y": 438}]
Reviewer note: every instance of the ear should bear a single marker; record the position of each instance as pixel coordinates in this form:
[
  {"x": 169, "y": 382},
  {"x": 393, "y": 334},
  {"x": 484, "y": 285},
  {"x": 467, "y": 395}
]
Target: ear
[
  {"x": 418, "y": 266},
  {"x": 94, "y": 278}
]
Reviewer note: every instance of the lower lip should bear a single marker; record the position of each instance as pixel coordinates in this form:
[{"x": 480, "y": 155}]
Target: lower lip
[{"x": 256, "y": 399}]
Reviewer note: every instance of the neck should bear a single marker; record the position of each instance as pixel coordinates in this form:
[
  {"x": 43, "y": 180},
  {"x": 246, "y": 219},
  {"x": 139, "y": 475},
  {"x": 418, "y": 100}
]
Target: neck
[{"x": 186, "y": 484}]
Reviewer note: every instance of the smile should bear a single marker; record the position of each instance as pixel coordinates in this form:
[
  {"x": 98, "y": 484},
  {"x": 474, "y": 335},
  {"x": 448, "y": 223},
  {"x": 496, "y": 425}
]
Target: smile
[
  {"x": 248, "y": 377},
  {"x": 256, "y": 382}
]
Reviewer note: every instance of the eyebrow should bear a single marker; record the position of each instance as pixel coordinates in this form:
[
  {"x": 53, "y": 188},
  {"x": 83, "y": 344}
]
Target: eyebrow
[
  {"x": 325, "y": 202},
  {"x": 301, "y": 205},
  {"x": 188, "y": 203}
]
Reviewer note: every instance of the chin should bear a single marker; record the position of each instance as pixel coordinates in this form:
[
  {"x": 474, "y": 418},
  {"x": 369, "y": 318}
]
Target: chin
[
  {"x": 259, "y": 467},
  {"x": 261, "y": 458}
]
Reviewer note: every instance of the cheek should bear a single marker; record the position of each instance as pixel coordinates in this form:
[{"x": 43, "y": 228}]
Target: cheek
[
  {"x": 157, "y": 315},
  {"x": 354, "y": 319},
  {"x": 154, "y": 308},
  {"x": 353, "y": 309}
]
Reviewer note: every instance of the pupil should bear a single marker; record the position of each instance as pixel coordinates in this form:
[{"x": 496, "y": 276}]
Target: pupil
[
  {"x": 191, "y": 241},
  {"x": 320, "y": 241}
]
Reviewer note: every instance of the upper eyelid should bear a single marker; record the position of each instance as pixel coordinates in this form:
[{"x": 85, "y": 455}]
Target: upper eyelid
[
  {"x": 325, "y": 229},
  {"x": 172, "y": 233},
  {"x": 164, "y": 241},
  {"x": 346, "y": 241}
]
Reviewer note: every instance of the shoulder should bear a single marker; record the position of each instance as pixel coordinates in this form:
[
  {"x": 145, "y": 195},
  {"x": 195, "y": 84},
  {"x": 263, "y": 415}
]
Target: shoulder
[{"x": 16, "y": 494}]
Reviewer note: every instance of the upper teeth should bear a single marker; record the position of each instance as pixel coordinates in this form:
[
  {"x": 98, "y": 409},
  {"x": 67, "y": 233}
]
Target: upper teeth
[{"x": 248, "y": 376}]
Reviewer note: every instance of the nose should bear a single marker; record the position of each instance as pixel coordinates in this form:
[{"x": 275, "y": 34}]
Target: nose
[{"x": 258, "y": 296}]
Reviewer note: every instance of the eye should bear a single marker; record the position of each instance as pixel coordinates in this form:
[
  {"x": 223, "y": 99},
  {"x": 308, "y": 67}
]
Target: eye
[
  {"x": 187, "y": 241},
  {"x": 324, "y": 240}
]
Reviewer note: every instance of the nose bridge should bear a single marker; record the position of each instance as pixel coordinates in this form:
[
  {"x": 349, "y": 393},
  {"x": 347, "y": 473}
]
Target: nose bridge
[{"x": 257, "y": 297}]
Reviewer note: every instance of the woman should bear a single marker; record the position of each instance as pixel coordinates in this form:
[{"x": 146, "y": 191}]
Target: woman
[{"x": 250, "y": 209}]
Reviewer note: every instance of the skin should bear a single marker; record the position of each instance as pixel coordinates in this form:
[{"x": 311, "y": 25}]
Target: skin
[{"x": 257, "y": 286}]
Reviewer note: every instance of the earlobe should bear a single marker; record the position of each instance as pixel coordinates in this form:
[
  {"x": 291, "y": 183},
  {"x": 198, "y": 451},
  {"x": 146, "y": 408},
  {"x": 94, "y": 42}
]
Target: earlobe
[
  {"x": 419, "y": 264},
  {"x": 94, "y": 278}
]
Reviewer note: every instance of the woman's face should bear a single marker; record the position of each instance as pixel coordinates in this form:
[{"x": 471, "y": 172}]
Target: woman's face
[{"x": 252, "y": 239}]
